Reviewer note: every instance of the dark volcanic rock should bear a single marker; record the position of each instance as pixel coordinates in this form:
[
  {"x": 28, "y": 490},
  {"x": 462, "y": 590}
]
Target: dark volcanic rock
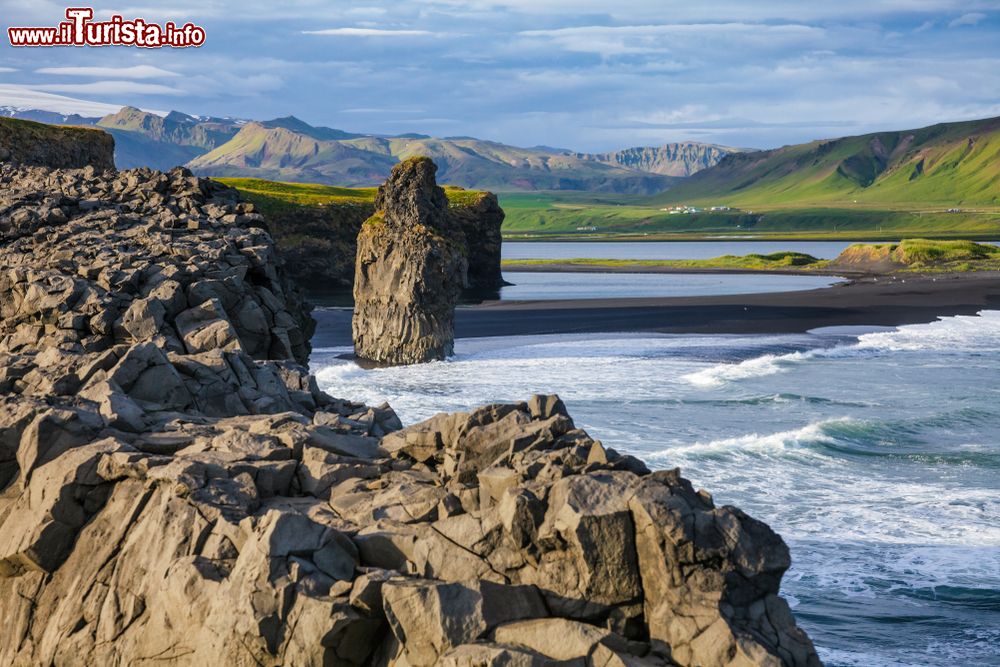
[
  {"x": 29, "y": 143},
  {"x": 174, "y": 487},
  {"x": 480, "y": 222},
  {"x": 321, "y": 241},
  {"x": 411, "y": 269}
]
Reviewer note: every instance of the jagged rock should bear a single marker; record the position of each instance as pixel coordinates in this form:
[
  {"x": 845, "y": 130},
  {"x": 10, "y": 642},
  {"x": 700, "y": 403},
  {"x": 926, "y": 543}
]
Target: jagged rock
[
  {"x": 174, "y": 487},
  {"x": 411, "y": 268}
]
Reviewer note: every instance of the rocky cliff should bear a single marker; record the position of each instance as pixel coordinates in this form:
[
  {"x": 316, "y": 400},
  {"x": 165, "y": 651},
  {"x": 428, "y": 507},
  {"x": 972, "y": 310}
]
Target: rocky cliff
[
  {"x": 174, "y": 489},
  {"x": 480, "y": 220},
  {"x": 29, "y": 143},
  {"x": 321, "y": 242},
  {"x": 680, "y": 159},
  {"x": 320, "y": 237},
  {"x": 411, "y": 268}
]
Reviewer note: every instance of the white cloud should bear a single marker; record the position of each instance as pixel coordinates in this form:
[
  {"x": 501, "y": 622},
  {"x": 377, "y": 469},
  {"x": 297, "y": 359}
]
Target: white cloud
[
  {"x": 7, "y": 69},
  {"x": 367, "y": 32},
  {"x": 137, "y": 72},
  {"x": 685, "y": 11},
  {"x": 972, "y": 18},
  {"x": 27, "y": 97},
  {"x": 111, "y": 88}
]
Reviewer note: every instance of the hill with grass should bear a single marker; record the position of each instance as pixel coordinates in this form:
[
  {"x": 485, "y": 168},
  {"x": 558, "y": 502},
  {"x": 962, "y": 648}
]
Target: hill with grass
[
  {"x": 945, "y": 165},
  {"x": 319, "y": 155},
  {"x": 280, "y": 154},
  {"x": 289, "y": 149}
]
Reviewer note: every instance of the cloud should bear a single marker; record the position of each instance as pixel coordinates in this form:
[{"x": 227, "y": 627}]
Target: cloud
[
  {"x": 640, "y": 39},
  {"x": 368, "y": 32},
  {"x": 123, "y": 88},
  {"x": 27, "y": 97},
  {"x": 972, "y": 18},
  {"x": 586, "y": 74},
  {"x": 7, "y": 70},
  {"x": 371, "y": 110},
  {"x": 136, "y": 72}
]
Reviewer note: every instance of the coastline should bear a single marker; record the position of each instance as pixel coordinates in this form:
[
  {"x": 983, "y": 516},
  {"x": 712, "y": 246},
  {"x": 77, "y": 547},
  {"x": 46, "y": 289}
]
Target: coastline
[
  {"x": 569, "y": 267},
  {"x": 868, "y": 301}
]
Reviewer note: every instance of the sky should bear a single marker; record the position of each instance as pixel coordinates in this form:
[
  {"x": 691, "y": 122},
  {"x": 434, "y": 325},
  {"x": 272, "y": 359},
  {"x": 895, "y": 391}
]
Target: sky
[{"x": 582, "y": 74}]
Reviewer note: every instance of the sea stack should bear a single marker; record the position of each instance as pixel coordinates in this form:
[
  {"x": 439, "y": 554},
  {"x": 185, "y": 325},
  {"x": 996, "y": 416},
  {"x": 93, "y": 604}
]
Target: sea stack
[{"x": 411, "y": 267}]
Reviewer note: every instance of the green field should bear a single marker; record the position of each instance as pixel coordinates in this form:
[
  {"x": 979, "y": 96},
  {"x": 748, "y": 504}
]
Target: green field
[
  {"x": 908, "y": 256},
  {"x": 563, "y": 216},
  {"x": 886, "y": 185},
  {"x": 779, "y": 261},
  {"x": 278, "y": 197}
]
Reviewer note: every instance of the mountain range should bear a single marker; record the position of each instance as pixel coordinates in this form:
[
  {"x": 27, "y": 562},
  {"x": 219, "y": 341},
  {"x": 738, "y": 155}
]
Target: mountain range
[
  {"x": 948, "y": 164},
  {"x": 289, "y": 149}
]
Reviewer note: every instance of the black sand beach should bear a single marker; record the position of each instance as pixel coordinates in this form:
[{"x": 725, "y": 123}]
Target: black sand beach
[{"x": 881, "y": 301}]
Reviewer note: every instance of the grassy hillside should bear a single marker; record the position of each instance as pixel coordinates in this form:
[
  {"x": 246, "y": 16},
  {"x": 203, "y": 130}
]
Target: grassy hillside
[
  {"x": 588, "y": 216},
  {"x": 277, "y": 153},
  {"x": 946, "y": 165},
  {"x": 940, "y": 181},
  {"x": 778, "y": 261},
  {"x": 907, "y": 256},
  {"x": 284, "y": 151},
  {"x": 276, "y": 196}
]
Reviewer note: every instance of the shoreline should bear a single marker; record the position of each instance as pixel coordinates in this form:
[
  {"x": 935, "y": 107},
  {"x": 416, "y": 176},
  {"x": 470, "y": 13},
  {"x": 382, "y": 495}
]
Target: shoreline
[
  {"x": 869, "y": 301},
  {"x": 569, "y": 267}
]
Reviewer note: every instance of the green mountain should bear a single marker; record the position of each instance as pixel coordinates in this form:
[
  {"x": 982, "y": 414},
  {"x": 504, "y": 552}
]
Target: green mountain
[
  {"x": 944, "y": 165},
  {"x": 290, "y": 149},
  {"x": 280, "y": 154},
  {"x": 678, "y": 159},
  {"x": 295, "y": 125},
  {"x": 143, "y": 139},
  {"x": 283, "y": 150},
  {"x": 174, "y": 128}
]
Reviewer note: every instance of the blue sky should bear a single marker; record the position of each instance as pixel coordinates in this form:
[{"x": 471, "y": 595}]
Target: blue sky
[{"x": 580, "y": 74}]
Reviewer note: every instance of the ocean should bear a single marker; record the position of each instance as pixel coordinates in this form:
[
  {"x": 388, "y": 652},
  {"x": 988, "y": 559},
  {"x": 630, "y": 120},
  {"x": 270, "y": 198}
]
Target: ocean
[{"x": 875, "y": 454}]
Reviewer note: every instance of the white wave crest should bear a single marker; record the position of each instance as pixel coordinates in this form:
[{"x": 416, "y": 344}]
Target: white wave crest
[
  {"x": 764, "y": 365},
  {"x": 949, "y": 334},
  {"x": 778, "y": 443},
  {"x": 961, "y": 333}
]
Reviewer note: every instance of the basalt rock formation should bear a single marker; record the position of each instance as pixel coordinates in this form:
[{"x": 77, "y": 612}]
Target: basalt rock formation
[
  {"x": 29, "y": 143},
  {"x": 480, "y": 221},
  {"x": 175, "y": 489},
  {"x": 411, "y": 268},
  {"x": 321, "y": 241}
]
